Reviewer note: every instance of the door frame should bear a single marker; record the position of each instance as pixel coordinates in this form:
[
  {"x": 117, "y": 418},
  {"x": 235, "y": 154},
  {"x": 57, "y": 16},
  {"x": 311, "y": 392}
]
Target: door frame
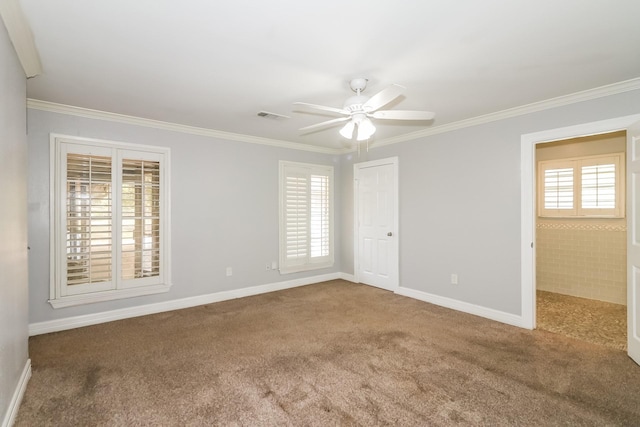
[
  {"x": 528, "y": 144},
  {"x": 396, "y": 221}
]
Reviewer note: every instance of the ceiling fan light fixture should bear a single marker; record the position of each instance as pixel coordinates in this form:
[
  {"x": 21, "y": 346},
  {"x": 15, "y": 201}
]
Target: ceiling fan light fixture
[
  {"x": 358, "y": 111},
  {"x": 347, "y": 130},
  {"x": 365, "y": 129}
]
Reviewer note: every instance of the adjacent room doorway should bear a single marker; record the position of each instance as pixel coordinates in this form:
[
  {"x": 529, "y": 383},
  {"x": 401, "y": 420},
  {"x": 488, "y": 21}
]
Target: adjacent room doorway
[
  {"x": 581, "y": 281},
  {"x": 631, "y": 124},
  {"x": 376, "y": 223}
]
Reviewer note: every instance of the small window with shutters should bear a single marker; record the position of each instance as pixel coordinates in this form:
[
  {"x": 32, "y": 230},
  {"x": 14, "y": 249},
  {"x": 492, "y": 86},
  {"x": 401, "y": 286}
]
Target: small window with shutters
[
  {"x": 583, "y": 187},
  {"x": 306, "y": 217},
  {"x": 110, "y": 221}
]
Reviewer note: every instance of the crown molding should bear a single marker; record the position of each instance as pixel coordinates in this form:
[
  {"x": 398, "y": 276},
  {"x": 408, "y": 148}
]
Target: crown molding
[
  {"x": 53, "y": 107},
  {"x": 586, "y": 95},
  {"x": 599, "y": 92},
  {"x": 21, "y": 37}
]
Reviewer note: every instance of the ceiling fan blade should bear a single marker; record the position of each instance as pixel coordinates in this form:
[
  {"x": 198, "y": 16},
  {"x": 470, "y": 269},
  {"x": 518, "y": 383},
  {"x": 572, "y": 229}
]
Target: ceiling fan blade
[
  {"x": 383, "y": 97},
  {"x": 403, "y": 115},
  {"x": 325, "y": 124},
  {"x": 323, "y": 108}
]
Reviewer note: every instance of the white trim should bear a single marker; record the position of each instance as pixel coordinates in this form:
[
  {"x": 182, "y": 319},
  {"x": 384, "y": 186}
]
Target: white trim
[
  {"x": 109, "y": 316},
  {"x": 111, "y": 143},
  {"x": 18, "y": 394},
  {"x": 348, "y": 277},
  {"x": 396, "y": 213},
  {"x": 53, "y": 107},
  {"x": 143, "y": 310},
  {"x": 528, "y": 192},
  {"x": 21, "y": 37},
  {"x": 465, "y": 307},
  {"x": 110, "y": 295},
  {"x": 586, "y": 95},
  {"x": 527, "y": 235}
]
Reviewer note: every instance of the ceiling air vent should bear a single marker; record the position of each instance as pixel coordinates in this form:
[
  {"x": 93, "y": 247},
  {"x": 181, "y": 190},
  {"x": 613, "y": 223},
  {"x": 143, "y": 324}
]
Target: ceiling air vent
[{"x": 272, "y": 116}]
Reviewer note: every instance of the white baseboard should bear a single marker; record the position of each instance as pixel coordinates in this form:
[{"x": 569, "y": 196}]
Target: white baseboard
[
  {"x": 143, "y": 310},
  {"x": 125, "y": 313},
  {"x": 465, "y": 307},
  {"x": 18, "y": 394},
  {"x": 348, "y": 277}
]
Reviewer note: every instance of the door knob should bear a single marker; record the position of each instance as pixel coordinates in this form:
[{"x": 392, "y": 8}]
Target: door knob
[{"x": 389, "y": 234}]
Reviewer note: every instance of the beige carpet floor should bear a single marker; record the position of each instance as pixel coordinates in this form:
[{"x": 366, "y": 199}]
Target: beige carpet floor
[
  {"x": 589, "y": 320},
  {"x": 334, "y": 353}
]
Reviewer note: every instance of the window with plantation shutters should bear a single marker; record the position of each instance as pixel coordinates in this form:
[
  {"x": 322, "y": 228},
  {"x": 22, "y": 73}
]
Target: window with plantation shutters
[
  {"x": 582, "y": 187},
  {"x": 109, "y": 221},
  {"x": 306, "y": 217}
]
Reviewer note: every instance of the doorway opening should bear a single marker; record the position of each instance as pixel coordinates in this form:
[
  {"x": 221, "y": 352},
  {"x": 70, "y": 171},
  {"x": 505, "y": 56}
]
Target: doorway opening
[{"x": 581, "y": 229}]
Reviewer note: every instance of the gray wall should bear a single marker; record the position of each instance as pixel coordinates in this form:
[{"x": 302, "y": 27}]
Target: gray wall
[
  {"x": 224, "y": 210},
  {"x": 460, "y": 203},
  {"x": 13, "y": 223},
  {"x": 459, "y": 206}
]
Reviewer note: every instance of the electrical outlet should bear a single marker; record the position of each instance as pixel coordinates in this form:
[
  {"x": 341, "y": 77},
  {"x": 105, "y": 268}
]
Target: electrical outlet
[
  {"x": 229, "y": 271},
  {"x": 454, "y": 279},
  {"x": 268, "y": 266},
  {"x": 274, "y": 265}
]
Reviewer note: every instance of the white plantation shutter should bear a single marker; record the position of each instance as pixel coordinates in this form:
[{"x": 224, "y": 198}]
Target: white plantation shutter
[
  {"x": 558, "y": 188},
  {"x": 599, "y": 186},
  {"x": 140, "y": 227},
  {"x": 110, "y": 232},
  {"x": 296, "y": 206},
  {"x": 320, "y": 195},
  {"x": 306, "y": 214},
  {"x": 582, "y": 187},
  {"x": 603, "y": 186},
  {"x": 89, "y": 220}
]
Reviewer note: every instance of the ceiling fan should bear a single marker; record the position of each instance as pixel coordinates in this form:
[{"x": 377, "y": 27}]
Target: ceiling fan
[{"x": 358, "y": 111}]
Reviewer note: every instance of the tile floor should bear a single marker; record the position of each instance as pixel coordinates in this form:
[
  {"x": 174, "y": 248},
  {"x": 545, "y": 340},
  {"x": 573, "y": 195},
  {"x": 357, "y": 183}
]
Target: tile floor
[{"x": 589, "y": 320}]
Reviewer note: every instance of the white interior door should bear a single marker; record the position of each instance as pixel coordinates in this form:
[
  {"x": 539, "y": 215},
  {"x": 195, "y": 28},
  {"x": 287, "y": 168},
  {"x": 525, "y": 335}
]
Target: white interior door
[
  {"x": 633, "y": 241},
  {"x": 376, "y": 203}
]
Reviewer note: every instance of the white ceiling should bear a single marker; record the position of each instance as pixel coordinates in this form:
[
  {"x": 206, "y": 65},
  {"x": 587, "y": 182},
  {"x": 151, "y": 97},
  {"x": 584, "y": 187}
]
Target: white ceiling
[{"x": 215, "y": 64}]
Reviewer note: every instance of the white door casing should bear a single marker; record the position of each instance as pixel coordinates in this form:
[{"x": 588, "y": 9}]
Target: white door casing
[
  {"x": 633, "y": 241},
  {"x": 376, "y": 223}
]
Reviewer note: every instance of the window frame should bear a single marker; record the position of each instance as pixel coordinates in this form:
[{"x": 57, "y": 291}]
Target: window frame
[
  {"x": 308, "y": 263},
  {"x": 576, "y": 164},
  {"x": 61, "y": 295}
]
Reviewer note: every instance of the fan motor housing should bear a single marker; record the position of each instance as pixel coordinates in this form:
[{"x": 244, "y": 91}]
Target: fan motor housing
[{"x": 355, "y": 103}]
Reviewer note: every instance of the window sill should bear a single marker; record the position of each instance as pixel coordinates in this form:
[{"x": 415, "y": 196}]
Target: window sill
[
  {"x": 581, "y": 216},
  {"x": 90, "y": 298},
  {"x": 307, "y": 267}
]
